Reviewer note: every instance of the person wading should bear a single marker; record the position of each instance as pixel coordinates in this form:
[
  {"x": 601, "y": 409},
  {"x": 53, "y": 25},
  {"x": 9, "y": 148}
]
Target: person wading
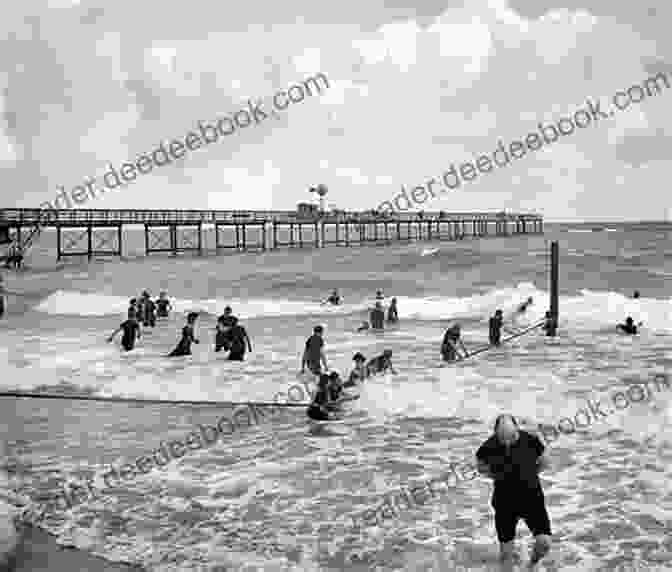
[{"x": 513, "y": 458}]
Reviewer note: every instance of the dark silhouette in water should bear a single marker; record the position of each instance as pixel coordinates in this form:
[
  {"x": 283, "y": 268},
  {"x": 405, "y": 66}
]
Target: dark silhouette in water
[{"x": 184, "y": 345}]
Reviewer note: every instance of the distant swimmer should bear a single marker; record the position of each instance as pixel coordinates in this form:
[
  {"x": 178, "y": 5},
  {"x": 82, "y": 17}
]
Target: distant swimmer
[
  {"x": 513, "y": 459},
  {"x": 131, "y": 330},
  {"x": 629, "y": 326},
  {"x": 132, "y": 308},
  {"x": 313, "y": 354},
  {"x": 318, "y": 410},
  {"x": 449, "y": 347},
  {"x": 380, "y": 364},
  {"x": 359, "y": 373},
  {"x": 364, "y": 327},
  {"x": 495, "y": 326},
  {"x": 237, "y": 340},
  {"x": 636, "y": 294},
  {"x": 522, "y": 308},
  {"x": 334, "y": 299},
  {"x": 377, "y": 317},
  {"x": 149, "y": 310},
  {"x": 392, "y": 314},
  {"x": 224, "y": 323},
  {"x": 184, "y": 345},
  {"x": 163, "y": 305}
]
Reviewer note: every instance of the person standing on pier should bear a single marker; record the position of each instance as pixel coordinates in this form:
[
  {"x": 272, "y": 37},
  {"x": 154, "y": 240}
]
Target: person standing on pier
[
  {"x": 237, "y": 340},
  {"x": 313, "y": 355},
  {"x": 513, "y": 458},
  {"x": 188, "y": 337}
]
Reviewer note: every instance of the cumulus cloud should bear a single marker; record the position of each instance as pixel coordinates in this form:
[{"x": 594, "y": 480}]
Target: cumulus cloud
[{"x": 410, "y": 93}]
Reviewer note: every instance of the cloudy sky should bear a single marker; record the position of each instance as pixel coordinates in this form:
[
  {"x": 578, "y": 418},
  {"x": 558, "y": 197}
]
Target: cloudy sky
[{"x": 415, "y": 86}]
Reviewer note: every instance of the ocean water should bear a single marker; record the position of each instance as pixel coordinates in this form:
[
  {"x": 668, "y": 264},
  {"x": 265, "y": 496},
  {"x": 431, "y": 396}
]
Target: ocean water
[{"x": 282, "y": 495}]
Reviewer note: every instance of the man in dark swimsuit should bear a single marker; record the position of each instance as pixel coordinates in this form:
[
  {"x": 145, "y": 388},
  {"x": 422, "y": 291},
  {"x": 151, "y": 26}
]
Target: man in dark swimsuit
[
  {"x": 149, "y": 316},
  {"x": 513, "y": 458},
  {"x": 495, "y": 325},
  {"x": 225, "y": 322},
  {"x": 313, "y": 355},
  {"x": 392, "y": 314},
  {"x": 184, "y": 345},
  {"x": 449, "y": 347},
  {"x": 237, "y": 339},
  {"x": 377, "y": 317},
  {"x": 131, "y": 330},
  {"x": 317, "y": 410},
  {"x": 629, "y": 327}
]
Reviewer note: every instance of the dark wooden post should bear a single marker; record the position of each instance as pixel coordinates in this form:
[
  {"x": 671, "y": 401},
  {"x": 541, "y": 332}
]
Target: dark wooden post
[{"x": 555, "y": 267}]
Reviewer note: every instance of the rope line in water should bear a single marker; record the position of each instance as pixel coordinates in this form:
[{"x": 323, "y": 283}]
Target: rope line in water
[
  {"x": 36, "y": 395},
  {"x": 509, "y": 338}
]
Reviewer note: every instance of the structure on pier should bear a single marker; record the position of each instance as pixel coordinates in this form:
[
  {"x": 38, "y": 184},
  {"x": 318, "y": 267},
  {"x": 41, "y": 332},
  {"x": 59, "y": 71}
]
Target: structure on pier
[{"x": 98, "y": 232}]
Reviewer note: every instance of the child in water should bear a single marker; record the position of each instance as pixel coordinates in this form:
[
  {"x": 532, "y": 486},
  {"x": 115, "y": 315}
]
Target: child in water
[
  {"x": 184, "y": 345},
  {"x": 359, "y": 373},
  {"x": 380, "y": 364}
]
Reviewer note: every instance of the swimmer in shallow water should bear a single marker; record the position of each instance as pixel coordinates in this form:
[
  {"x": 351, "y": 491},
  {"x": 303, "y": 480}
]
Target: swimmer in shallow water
[
  {"x": 377, "y": 317},
  {"x": 184, "y": 345},
  {"x": 629, "y": 327},
  {"x": 163, "y": 306},
  {"x": 392, "y": 313},
  {"x": 131, "y": 329},
  {"x": 318, "y": 410},
  {"x": 451, "y": 341},
  {"x": 359, "y": 373},
  {"x": 334, "y": 299},
  {"x": 380, "y": 364}
]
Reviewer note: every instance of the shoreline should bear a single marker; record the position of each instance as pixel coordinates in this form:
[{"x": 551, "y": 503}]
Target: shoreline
[{"x": 38, "y": 551}]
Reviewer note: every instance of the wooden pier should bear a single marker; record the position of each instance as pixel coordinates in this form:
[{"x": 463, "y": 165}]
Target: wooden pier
[{"x": 99, "y": 232}]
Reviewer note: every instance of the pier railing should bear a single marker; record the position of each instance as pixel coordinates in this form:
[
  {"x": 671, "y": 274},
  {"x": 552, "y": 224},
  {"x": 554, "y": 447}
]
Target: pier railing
[{"x": 63, "y": 217}]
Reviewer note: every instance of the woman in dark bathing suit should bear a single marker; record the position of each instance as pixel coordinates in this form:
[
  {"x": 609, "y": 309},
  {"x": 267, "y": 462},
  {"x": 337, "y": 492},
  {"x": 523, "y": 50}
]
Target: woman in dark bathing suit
[
  {"x": 131, "y": 330},
  {"x": 317, "y": 410},
  {"x": 184, "y": 346}
]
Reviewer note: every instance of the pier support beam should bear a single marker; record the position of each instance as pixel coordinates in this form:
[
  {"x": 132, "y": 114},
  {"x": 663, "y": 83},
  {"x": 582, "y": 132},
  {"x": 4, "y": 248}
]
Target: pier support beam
[{"x": 89, "y": 241}]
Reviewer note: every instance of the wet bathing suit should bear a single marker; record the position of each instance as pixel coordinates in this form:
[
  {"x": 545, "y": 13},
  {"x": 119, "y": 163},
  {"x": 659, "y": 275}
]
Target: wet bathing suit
[
  {"x": 316, "y": 409},
  {"x": 495, "y": 330},
  {"x": 517, "y": 491},
  {"x": 184, "y": 346},
  {"x": 162, "y": 308},
  {"x": 235, "y": 339},
  {"x": 314, "y": 345},
  {"x": 131, "y": 329}
]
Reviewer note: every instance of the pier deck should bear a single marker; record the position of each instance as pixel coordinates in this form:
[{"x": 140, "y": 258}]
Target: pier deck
[{"x": 182, "y": 230}]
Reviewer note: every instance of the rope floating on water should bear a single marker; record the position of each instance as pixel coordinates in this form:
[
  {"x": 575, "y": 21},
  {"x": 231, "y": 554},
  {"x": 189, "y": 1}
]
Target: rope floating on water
[
  {"x": 511, "y": 337},
  {"x": 75, "y": 397}
]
